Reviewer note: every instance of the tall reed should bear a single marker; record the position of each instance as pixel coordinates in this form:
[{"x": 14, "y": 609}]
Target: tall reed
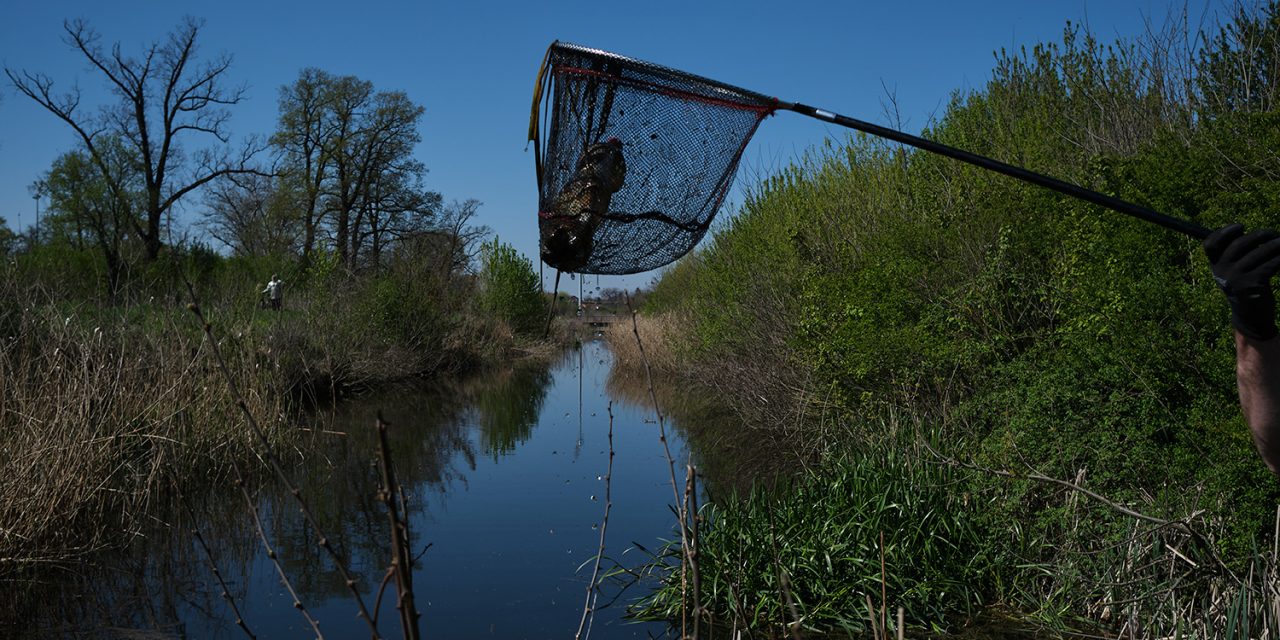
[{"x": 97, "y": 411}]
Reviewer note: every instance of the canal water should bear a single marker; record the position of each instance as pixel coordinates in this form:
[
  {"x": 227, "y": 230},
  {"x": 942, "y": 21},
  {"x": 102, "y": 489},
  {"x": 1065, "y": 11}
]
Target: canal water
[{"x": 506, "y": 481}]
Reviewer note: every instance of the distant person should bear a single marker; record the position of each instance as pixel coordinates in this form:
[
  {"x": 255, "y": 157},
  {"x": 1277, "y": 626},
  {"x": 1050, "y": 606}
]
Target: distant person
[
  {"x": 274, "y": 293},
  {"x": 1243, "y": 265}
]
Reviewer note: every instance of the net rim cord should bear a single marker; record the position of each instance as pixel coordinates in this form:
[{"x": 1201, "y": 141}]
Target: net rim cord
[
  {"x": 664, "y": 70},
  {"x": 772, "y": 104}
]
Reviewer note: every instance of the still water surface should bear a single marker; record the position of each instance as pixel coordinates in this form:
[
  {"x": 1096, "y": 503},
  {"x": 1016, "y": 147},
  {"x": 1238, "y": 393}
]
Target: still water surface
[
  {"x": 510, "y": 493},
  {"x": 506, "y": 482}
]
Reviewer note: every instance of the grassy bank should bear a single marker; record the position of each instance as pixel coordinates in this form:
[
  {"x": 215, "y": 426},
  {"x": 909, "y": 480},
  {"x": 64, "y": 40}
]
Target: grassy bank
[
  {"x": 1072, "y": 367},
  {"x": 109, "y": 405}
]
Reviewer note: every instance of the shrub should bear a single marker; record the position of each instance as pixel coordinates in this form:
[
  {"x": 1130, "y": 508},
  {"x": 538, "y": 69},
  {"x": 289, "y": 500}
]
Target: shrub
[{"x": 509, "y": 287}]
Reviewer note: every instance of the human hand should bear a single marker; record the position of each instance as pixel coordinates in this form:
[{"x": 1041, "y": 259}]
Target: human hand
[{"x": 1243, "y": 265}]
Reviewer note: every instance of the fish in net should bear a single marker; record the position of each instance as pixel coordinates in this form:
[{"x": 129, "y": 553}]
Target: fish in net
[{"x": 635, "y": 158}]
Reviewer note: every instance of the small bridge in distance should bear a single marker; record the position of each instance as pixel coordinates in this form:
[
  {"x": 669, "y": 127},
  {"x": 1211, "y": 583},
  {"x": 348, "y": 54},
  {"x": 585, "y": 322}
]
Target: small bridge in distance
[{"x": 598, "y": 319}]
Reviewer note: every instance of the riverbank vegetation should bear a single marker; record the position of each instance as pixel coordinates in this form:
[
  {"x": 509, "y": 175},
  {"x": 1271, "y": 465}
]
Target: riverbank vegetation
[
  {"x": 1031, "y": 398},
  {"x": 109, "y": 398},
  {"x": 103, "y": 404}
]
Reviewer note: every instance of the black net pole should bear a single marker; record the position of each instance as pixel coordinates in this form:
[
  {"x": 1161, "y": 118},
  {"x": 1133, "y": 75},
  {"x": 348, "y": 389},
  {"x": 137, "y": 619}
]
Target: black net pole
[{"x": 1176, "y": 224}]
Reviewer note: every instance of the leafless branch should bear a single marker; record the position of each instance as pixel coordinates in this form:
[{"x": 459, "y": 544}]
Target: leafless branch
[
  {"x": 274, "y": 461},
  {"x": 593, "y": 588}
]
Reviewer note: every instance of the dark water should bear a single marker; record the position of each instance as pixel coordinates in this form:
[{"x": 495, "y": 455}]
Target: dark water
[{"x": 505, "y": 478}]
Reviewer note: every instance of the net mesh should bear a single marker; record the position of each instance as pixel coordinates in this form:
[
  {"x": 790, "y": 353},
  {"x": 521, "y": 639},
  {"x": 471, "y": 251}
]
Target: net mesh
[{"x": 635, "y": 158}]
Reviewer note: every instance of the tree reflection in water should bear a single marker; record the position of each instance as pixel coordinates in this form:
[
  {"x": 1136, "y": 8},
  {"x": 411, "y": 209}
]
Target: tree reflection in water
[
  {"x": 499, "y": 476},
  {"x": 510, "y": 407},
  {"x": 162, "y": 583}
]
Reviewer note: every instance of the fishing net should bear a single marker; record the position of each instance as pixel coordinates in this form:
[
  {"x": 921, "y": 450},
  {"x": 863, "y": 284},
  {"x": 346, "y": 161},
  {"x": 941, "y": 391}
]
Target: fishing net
[{"x": 633, "y": 159}]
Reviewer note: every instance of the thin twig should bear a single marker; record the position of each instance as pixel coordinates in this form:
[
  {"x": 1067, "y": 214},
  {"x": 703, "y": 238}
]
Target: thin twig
[
  {"x": 276, "y": 466},
  {"x": 271, "y": 553},
  {"x": 671, "y": 463},
  {"x": 382, "y": 589},
  {"x": 400, "y": 561},
  {"x": 588, "y": 606},
  {"x": 213, "y": 565}
]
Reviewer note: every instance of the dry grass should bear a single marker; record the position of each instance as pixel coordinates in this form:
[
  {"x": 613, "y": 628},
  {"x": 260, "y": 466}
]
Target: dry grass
[
  {"x": 770, "y": 394},
  {"x": 661, "y": 336},
  {"x": 102, "y": 409},
  {"x": 96, "y": 421}
]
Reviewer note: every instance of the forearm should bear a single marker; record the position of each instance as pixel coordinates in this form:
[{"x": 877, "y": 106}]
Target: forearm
[{"x": 1258, "y": 378}]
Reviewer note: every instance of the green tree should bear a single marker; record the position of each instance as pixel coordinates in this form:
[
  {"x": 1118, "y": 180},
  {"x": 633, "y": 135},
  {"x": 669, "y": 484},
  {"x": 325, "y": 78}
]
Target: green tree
[
  {"x": 347, "y": 149},
  {"x": 300, "y": 137},
  {"x": 8, "y": 240},
  {"x": 97, "y": 201}
]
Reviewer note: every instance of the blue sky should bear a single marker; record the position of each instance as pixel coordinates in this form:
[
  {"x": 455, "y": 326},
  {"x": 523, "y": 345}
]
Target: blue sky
[{"x": 472, "y": 66}]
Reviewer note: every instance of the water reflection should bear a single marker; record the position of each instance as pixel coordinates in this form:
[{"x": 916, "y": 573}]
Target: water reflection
[
  {"x": 503, "y": 474},
  {"x": 728, "y": 459},
  {"x": 509, "y": 408}
]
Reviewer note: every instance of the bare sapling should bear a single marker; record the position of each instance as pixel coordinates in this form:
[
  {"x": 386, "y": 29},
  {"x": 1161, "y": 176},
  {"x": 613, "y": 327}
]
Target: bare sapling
[
  {"x": 401, "y": 562},
  {"x": 593, "y": 587},
  {"x": 225, "y": 590},
  {"x": 274, "y": 461},
  {"x": 681, "y": 516}
]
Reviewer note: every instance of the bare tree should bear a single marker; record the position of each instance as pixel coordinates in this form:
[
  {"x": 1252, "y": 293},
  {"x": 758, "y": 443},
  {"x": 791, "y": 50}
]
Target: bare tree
[
  {"x": 464, "y": 238},
  {"x": 397, "y": 206},
  {"x": 254, "y": 215},
  {"x": 1240, "y": 68},
  {"x": 163, "y": 98}
]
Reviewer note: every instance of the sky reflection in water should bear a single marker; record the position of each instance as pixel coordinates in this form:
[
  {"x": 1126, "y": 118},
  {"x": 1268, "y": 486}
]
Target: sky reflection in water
[{"x": 504, "y": 478}]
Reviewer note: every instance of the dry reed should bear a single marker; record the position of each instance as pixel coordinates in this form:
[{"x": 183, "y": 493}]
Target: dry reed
[
  {"x": 97, "y": 414},
  {"x": 660, "y": 335}
]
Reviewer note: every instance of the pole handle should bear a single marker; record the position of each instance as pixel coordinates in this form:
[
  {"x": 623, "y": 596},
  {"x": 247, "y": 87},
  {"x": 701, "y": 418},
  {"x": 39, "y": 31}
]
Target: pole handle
[{"x": 1150, "y": 215}]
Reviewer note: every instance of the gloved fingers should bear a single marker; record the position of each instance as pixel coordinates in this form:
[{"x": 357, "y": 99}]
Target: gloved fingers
[
  {"x": 1260, "y": 257},
  {"x": 1217, "y": 241},
  {"x": 1245, "y": 244},
  {"x": 1270, "y": 267}
]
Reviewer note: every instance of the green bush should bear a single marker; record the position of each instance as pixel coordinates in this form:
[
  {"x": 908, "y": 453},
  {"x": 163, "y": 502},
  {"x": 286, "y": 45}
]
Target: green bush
[
  {"x": 1041, "y": 333},
  {"x": 509, "y": 287}
]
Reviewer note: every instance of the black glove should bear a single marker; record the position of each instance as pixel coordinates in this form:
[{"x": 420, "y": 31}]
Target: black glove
[{"x": 1243, "y": 265}]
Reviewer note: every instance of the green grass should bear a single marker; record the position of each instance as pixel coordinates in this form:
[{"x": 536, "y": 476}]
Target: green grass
[{"x": 822, "y": 531}]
